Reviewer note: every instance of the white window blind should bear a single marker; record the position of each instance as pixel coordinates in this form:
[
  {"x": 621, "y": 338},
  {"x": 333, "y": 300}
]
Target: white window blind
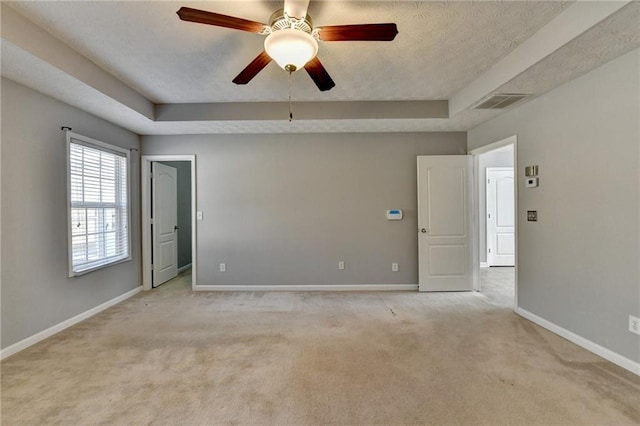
[{"x": 98, "y": 184}]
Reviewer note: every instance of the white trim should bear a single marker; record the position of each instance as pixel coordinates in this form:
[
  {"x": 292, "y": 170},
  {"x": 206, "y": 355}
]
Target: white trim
[
  {"x": 184, "y": 268},
  {"x": 145, "y": 162},
  {"x": 601, "y": 351},
  {"x": 310, "y": 287},
  {"x": 484, "y": 265},
  {"x": 38, "y": 337}
]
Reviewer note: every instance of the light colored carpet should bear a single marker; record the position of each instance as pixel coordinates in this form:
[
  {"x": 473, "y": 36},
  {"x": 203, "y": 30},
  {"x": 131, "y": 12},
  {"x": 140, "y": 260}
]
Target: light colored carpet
[{"x": 171, "y": 356}]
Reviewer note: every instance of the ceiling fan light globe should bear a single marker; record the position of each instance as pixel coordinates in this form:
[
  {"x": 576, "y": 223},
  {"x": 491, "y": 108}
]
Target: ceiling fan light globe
[{"x": 291, "y": 48}]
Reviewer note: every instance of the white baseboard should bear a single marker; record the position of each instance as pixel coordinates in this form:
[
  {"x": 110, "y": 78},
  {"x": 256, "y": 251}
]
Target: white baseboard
[
  {"x": 601, "y": 351},
  {"x": 313, "y": 287},
  {"x": 184, "y": 268},
  {"x": 484, "y": 265},
  {"x": 32, "y": 340}
]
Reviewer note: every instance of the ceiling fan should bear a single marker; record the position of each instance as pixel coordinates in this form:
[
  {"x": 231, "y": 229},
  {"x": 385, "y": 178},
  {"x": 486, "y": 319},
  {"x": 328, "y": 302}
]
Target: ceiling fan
[{"x": 291, "y": 40}]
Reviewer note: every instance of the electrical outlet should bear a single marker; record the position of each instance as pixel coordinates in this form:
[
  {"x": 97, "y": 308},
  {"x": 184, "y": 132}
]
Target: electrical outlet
[
  {"x": 341, "y": 265},
  {"x": 394, "y": 267},
  {"x": 634, "y": 324},
  {"x": 223, "y": 267}
]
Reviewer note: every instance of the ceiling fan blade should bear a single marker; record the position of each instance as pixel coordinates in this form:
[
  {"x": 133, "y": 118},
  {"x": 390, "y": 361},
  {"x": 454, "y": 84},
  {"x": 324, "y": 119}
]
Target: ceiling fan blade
[
  {"x": 319, "y": 75},
  {"x": 245, "y": 76},
  {"x": 296, "y": 8},
  {"x": 362, "y": 32},
  {"x": 211, "y": 18}
]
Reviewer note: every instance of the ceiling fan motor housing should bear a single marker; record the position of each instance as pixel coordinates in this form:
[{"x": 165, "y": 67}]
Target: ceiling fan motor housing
[{"x": 279, "y": 21}]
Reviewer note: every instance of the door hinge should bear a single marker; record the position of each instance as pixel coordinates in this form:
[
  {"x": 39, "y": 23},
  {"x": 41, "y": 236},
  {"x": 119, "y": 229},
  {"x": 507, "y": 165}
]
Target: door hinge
[
  {"x": 150, "y": 175},
  {"x": 151, "y": 221},
  {"x": 489, "y": 215},
  {"x": 152, "y": 267},
  {"x": 488, "y": 181},
  {"x": 489, "y": 250}
]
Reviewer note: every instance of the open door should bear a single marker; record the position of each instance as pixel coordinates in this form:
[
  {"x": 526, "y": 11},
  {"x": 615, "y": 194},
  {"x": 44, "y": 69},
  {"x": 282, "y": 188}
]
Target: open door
[
  {"x": 445, "y": 250},
  {"x": 501, "y": 242},
  {"x": 164, "y": 194}
]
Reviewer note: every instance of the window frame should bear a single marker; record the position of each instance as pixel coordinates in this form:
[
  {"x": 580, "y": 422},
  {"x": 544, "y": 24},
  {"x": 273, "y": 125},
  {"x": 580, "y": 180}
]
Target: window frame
[{"x": 75, "y": 138}]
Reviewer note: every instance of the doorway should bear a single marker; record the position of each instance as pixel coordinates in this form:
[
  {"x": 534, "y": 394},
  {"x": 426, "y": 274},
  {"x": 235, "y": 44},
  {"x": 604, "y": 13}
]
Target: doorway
[
  {"x": 168, "y": 219},
  {"x": 497, "y": 242}
]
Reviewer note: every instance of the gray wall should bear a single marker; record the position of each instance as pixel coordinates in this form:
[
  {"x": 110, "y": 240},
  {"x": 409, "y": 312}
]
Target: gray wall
[
  {"x": 36, "y": 292},
  {"x": 578, "y": 265},
  {"x": 498, "y": 158},
  {"x": 284, "y": 209},
  {"x": 184, "y": 210}
]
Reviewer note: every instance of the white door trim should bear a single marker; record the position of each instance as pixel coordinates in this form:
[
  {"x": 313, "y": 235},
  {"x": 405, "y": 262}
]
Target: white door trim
[
  {"x": 145, "y": 182},
  {"x": 511, "y": 140}
]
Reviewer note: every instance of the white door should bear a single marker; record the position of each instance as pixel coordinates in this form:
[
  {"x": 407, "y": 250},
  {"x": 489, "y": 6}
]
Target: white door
[
  {"x": 164, "y": 193},
  {"x": 445, "y": 256},
  {"x": 501, "y": 247}
]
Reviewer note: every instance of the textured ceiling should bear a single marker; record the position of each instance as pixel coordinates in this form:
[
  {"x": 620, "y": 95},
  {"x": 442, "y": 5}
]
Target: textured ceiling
[
  {"x": 605, "y": 41},
  {"x": 442, "y": 49},
  {"x": 441, "y": 46}
]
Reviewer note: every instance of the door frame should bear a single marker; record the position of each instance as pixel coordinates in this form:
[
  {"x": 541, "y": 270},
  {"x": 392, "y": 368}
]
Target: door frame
[
  {"x": 145, "y": 182},
  {"x": 511, "y": 140}
]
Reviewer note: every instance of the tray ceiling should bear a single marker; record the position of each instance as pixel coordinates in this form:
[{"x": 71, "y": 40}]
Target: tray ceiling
[{"x": 442, "y": 49}]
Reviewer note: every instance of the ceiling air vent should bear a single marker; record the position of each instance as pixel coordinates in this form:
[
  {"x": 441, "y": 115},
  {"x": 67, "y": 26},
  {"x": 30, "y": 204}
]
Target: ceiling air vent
[{"x": 501, "y": 101}]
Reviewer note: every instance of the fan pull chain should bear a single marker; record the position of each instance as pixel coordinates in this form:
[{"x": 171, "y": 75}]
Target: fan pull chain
[{"x": 290, "y": 107}]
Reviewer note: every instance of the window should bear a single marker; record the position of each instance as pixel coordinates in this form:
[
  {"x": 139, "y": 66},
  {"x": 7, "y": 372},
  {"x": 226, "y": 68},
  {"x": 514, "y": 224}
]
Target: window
[{"x": 98, "y": 209}]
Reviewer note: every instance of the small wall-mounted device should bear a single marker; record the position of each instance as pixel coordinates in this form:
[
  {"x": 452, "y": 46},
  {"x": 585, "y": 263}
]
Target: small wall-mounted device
[
  {"x": 532, "y": 215},
  {"x": 394, "y": 214},
  {"x": 531, "y": 171},
  {"x": 531, "y": 182}
]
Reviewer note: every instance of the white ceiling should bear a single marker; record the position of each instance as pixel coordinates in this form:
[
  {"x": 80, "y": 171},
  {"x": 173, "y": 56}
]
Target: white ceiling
[{"x": 442, "y": 51}]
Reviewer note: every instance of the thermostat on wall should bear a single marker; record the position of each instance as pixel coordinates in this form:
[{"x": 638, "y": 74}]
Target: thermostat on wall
[{"x": 394, "y": 214}]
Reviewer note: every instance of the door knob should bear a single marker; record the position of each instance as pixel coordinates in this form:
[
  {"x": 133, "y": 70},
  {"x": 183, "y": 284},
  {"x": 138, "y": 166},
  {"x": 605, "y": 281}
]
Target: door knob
[
  {"x": 175, "y": 228},
  {"x": 423, "y": 230}
]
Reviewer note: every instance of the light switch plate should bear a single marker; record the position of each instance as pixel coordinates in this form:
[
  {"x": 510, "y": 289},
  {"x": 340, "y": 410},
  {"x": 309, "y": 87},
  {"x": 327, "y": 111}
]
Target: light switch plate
[
  {"x": 531, "y": 171},
  {"x": 634, "y": 324}
]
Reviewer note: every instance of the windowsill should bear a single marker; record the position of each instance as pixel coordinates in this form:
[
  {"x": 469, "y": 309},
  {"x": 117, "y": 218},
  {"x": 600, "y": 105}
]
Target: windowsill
[{"x": 74, "y": 274}]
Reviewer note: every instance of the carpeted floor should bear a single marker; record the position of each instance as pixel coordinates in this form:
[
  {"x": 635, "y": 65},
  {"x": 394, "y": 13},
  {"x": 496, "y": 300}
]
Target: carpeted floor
[{"x": 172, "y": 356}]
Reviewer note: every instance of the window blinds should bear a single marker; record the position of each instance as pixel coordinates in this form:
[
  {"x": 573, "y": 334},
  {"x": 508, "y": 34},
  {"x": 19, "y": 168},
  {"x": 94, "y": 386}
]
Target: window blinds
[{"x": 98, "y": 205}]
